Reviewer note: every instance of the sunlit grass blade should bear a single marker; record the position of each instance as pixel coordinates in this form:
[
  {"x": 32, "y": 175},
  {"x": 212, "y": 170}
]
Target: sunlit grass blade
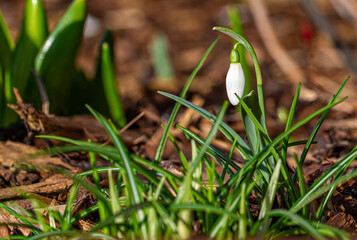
[
  {"x": 180, "y": 153},
  {"x": 221, "y": 159},
  {"x": 184, "y": 222},
  {"x": 116, "y": 207},
  {"x": 266, "y": 151},
  {"x": 329, "y": 194},
  {"x": 318, "y": 189},
  {"x": 253, "y": 121},
  {"x": 162, "y": 211},
  {"x": 242, "y": 227},
  {"x": 25, "y": 219},
  {"x": 345, "y": 161},
  {"x": 110, "y": 87},
  {"x": 174, "y": 112},
  {"x": 57, "y": 72},
  {"x": 289, "y": 123},
  {"x": 268, "y": 200},
  {"x": 102, "y": 209},
  {"x": 127, "y": 212},
  {"x": 210, "y": 136},
  {"x": 134, "y": 191},
  {"x": 306, "y": 225},
  {"x": 318, "y": 125},
  {"x": 242, "y": 146},
  {"x": 223, "y": 175},
  {"x": 302, "y": 184},
  {"x": 71, "y": 234}
]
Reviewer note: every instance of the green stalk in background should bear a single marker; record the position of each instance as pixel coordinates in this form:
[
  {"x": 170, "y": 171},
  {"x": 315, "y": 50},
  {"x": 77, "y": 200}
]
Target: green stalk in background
[
  {"x": 100, "y": 101},
  {"x": 33, "y": 34},
  {"x": 236, "y": 25},
  {"x": 6, "y": 46},
  {"x": 160, "y": 57},
  {"x": 110, "y": 87}
]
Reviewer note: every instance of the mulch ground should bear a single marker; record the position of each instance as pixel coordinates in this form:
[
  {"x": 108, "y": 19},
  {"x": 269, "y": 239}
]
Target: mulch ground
[{"x": 188, "y": 24}]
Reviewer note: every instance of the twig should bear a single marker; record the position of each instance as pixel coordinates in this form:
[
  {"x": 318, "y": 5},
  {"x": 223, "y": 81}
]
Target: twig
[
  {"x": 347, "y": 9},
  {"x": 322, "y": 23},
  {"x": 287, "y": 65}
]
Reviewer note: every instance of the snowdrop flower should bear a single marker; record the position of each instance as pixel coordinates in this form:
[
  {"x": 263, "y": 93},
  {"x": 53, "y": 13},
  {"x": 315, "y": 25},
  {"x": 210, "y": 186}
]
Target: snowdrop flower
[{"x": 235, "y": 79}]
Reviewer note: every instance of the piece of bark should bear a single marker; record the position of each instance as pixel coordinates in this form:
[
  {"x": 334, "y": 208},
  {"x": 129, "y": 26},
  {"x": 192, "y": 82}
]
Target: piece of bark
[
  {"x": 79, "y": 127},
  {"x": 54, "y": 184},
  {"x": 342, "y": 221},
  {"x": 14, "y": 154}
]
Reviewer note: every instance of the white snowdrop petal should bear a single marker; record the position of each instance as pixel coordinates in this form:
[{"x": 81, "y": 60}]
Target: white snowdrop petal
[{"x": 235, "y": 82}]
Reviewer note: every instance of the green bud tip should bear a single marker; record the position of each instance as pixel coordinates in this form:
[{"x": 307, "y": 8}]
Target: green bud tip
[{"x": 235, "y": 56}]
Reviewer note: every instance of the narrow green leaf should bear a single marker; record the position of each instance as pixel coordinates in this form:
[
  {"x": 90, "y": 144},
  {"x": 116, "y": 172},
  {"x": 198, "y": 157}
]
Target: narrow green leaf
[
  {"x": 230, "y": 134},
  {"x": 129, "y": 171},
  {"x": 174, "y": 112},
  {"x": 221, "y": 159},
  {"x": 253, "y": 121},
  {"x": 6, "y": 43},
  {"x": 110, "y": 87},
  {"x": 298, "y": 221},
  {"x": 290, "y": 122},
  {"x": 317, "y": 127},
  {"x": 269, "y": 200},
  {"x": 242, "y": 227},
  {"x": 32, "y": 36}
]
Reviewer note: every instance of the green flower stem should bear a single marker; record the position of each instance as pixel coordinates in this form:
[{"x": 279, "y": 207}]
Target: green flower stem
[{"x": 251, "y": 51}]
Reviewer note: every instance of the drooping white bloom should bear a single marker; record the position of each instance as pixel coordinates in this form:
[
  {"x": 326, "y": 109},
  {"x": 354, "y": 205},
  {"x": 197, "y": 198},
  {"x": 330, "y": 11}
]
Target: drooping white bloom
[{"x": 235, "y": 79}]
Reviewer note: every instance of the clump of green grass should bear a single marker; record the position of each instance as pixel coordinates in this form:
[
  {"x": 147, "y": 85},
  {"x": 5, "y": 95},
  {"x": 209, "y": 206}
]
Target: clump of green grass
[{"x": 167, "y": 206}]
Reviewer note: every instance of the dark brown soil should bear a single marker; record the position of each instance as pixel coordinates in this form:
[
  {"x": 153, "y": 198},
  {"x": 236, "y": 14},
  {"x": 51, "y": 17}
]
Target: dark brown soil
[{"x": 188, "y": 26}]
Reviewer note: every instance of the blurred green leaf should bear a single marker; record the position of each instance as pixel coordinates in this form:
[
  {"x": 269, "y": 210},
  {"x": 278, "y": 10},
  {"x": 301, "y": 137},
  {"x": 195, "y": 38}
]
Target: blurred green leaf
[
  {"x": 32, "y": 36},
  {"x": 110, "y": 87},
  {"x": 6, "y": 43},
  {"x": 174, "y": 112},
  {"x": 6, "y": 46},
  {"x": 55, "y": 62},
  {"x": 251, "y": 129},
  {"x": 160, "y": 58},
  {"x": 100, "y": 102}
]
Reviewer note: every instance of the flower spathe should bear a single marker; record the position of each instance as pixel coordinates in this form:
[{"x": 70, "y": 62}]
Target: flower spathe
[{"x": 235, "y": 79}]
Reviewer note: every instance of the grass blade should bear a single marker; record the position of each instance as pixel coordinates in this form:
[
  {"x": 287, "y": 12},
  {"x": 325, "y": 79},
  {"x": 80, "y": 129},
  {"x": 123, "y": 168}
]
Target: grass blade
[
  {"x": 230, "y": 134},
  {"x": 298, "y": 221},
  {"x": 110, "y": 87},
  {"x": 289, "y": 123},
  {"x": 317, "y": 127},
  {"x": 174, "y": 112},
  {"x": 129, "y": 172}
]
